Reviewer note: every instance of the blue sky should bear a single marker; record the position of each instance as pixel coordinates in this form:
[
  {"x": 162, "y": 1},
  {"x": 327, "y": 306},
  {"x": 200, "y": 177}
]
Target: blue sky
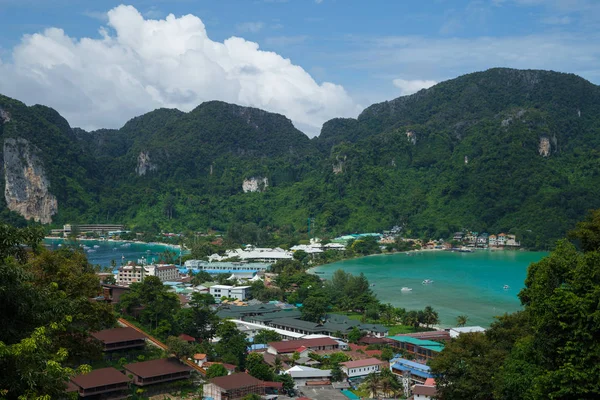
[{"x": 351, "y": 52}]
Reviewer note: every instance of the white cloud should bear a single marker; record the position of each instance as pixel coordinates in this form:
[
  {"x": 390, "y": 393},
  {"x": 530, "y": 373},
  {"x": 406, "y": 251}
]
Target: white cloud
[
  {"x": 318, "y": 1},
  {"x": 138, "y": 65},
  {"x": 252, "y": 27},
  {"x": 412, "y": 86}
]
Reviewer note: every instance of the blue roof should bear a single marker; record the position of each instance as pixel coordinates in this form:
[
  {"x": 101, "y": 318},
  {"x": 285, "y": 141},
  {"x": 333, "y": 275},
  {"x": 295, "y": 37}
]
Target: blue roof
[
  {"x": 350, "y": 395},
  {"x": 412, "y": 371},
  {"x": 412, "y": 364}
]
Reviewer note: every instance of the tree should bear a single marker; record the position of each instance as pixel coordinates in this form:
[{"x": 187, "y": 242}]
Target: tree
[
  {"x": 287, "y": 380},
  {"x": 295, "y": 357},
  {"x": 372, "y": 382},
  {"x": 200, "y": 277},
  {"x": 354, "y": 335},
  {"x": 314, "y": 309},
  {"x": 251, "y": 396},
  {"x": 461, "y": 320},
  {"x": 266, "y": 336},
  {"x": 466, "y": 366},
  {"x": 180, "y": 348},
  {"x": 387, "y": 353},
  {"x": 337, "y": 375},
  {"x": 232, "y": 345},
  {"x": 257, "y": 368},
  {"x": 430, "y": 316},
  {"x": 215, "y": 371}
]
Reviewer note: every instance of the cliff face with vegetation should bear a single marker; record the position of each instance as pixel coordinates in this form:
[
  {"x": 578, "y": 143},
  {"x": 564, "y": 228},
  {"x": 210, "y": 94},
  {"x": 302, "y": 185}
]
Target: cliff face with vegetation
[{"x": 500, "y": 150}]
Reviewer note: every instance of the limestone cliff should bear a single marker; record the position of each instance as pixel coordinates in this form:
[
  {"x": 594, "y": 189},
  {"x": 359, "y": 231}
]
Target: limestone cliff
[
  {"x": 144, "y": 164},
  {"x": 26, "y": 187},
  {"x": 4, "y": 116},
  {"x": 255, "y": 184}
]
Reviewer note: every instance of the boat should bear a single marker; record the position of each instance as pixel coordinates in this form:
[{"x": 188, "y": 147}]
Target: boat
[
  {"x": 126, "y": 245},
  {"x": 427, "y": 282},
  {"x": 465, "y": 250},
  {"x": 91, "y": 250},
  {"x": 406, "y": 289},
  {"x": 506, "y": 287},
  {"x": 96, "y": 246}
]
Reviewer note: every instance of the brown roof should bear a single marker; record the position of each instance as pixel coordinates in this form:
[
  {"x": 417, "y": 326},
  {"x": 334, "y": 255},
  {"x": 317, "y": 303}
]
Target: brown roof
[
  {"x": 372, "y": 340},
  {"x": 117, "y": 335},
  {"x": 166, "y": 267},
  {"x": 162, "y": 366},
  {"x": 99, "y": 377},
  {"x": 318, "y": 383},
  {"x": 236, "y": 381},
  {"x": 293, "y": 345},
  {"x": 199, "y": 356},
  {"x": 275, "y": 385},
  {"x": 361, "y": 363},
  {"x": 187, "y": 338},
  {"x": 424, "y": 390},
  {"x": 228, "y": 367}
]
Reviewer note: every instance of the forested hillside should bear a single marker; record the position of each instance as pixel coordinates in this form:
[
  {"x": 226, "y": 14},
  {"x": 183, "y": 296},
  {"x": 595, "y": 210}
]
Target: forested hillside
[{"x": 500, "y": 150}]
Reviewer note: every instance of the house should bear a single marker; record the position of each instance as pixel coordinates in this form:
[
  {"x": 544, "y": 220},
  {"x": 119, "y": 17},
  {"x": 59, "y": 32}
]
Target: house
[
  {"x": 502, "y": 239},
  {"x": 200, "y": 359},
  {"x": 458, "y": 236},
  {"x": 419, "y": 348},
  {"x": 482, "y": 240},
  {"x": 120, "y": 339},
  {"x": 236, "y": 292},
  {"x": 105, "y": 383},
  {"x": 493, "y": 240},
  {"x": 423, "y": 392},
  {"x": 232, "y": 387},
  {"x": 157, "y": 371},
  {"x": 361, "y": 367},
  {"x": 511, "y": 240},
  {"x": 289, "y": 347},
  {"x": 302, "y": 375},
  {"x": 456, "y": 332},
  {"x": 419, "y": 373},
  {"x": 187, "y": 338},
  {"x": 112, "y": 293}
]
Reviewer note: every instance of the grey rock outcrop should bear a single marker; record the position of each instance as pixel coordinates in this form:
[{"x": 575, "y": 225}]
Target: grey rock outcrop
[
  {"x": 26, "y": 186},
  {"x": 255, "y": 184},
  {"x": 144, "y": 164}
]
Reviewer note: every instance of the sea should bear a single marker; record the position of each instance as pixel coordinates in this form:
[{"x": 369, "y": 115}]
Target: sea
[
  {"x": 102, "y": 252},
  {"x": 470, "y": 284}
]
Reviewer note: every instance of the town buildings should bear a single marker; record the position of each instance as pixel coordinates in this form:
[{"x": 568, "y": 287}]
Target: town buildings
[
  {"x": 302, "y": 374},
  {"x": 417, "y": 372},
  {"x": 104, "y": 383},
  {"x": 133, "y": 273},
  {"x": 422, "y": 350},
  {"x": 235, "y": 292},
  {"x": 361, "y": 367},
  {"x": 456, "y": 332},
  {"x": 157, "y": 371},
  {"x": 292, "y": 346},
  {"x": 120, "y": 339},
  {"x": 233, "y": 387}
]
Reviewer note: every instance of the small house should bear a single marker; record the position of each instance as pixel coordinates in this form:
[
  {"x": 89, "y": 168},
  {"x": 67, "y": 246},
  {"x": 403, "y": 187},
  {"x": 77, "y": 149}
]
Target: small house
[
  {"x": 120, "y": 339},
  {"x": 361, "y": 367},
  {"x": 157, "y": 371},
  {"x": 106, "y": 383}
]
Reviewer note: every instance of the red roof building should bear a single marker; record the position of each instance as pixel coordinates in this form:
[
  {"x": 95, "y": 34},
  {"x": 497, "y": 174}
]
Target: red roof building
[
  {"x": 309, "y": 344},
  {"x": 120, "y": 338},
  {"x": 187, "y": 338},
  {"x": 157, "y": 371},
  {"x": 107, "y": 383},
  {"x": 361, "y": 367},
  {"x": 232, "y": 387}
]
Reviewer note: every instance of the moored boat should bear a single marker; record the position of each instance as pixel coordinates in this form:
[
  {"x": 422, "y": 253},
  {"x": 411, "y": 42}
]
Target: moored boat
[{"x": 406, "y": 289}]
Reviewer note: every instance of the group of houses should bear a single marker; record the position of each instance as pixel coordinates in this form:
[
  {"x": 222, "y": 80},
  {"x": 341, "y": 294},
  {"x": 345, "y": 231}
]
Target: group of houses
[
  {"x": 110, "y": 383},
  {"x": 484, "y": 240}
]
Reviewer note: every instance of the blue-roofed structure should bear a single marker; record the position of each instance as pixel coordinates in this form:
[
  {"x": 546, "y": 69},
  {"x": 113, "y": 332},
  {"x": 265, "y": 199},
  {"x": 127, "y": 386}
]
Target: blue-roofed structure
[
  {"x": 418, "y": 372},
  {"x": 421, "y": 349}
]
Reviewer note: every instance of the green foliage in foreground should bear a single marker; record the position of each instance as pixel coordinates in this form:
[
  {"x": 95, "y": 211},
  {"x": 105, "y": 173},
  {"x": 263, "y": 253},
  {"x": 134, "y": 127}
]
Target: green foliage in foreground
[{"x": 550, "y": 350}]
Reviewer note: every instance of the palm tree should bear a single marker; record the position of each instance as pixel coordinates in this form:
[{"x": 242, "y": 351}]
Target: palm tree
[
  {"x": 372, "y": 382},
  {"x": 386, "y": 386},
  {"x": 411, "y": 318},
  {"x": 461, "y": 320},
  {"x": 431, "y": 316}
]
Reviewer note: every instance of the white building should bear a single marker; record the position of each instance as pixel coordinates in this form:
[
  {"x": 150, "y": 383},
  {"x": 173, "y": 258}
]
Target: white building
[
  {"x": 255, "y": 254},
  {"x": 361, "y": 367},
  {"x": 455, "y": 332},
  {"x": 236, "y": 292},
  {"x": 423, "y": 392},
  {"x": 166, "y": 272},
  {"x": 129, "y": 274},
  {"x": 225, "y": 267},
  {"x": 302, "y": 374}
]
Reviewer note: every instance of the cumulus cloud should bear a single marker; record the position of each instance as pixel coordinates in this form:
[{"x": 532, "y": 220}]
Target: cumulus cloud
[
  {"x": 137, "y": 65},
  {"x": 412, "y": 86}
]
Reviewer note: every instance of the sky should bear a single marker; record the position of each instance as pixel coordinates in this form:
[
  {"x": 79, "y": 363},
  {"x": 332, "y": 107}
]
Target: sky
[{"x": 101, "y": 63}]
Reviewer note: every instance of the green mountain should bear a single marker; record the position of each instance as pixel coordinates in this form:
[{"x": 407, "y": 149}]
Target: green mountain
[{"x": 500, "y": 150}]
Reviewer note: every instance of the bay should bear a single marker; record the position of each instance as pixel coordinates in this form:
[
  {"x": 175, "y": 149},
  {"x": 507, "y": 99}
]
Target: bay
[
  {"x": 103, "y": 252},
  {"x": 470, "y": 284}
]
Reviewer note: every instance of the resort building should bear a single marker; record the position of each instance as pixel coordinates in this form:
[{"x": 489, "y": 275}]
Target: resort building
[
  {"x": 157, "y": 371},
  {"x": 417, "y": 372},
  {"x": 502, "y": 239},
  {"x": 232, "y": 387},
  {"x": 225, "y": 267},
  {"x": 236, "y": 292},
  {"x": 289, "y": 347},
  {"x": 456, "y": 332},
  {"x": 165, "y": 272},
  {"x": 361, "y": 367},
  {"x": 131, "y": 273},
  {"x": 254, "y": 254},
  {"x": 120, "y": 339},
  {"x": 493, "y": 240},
  {"x": 422, "y": 350},
  {"x": 426, "y": 391},
  {"x": 104, "y": 383}
]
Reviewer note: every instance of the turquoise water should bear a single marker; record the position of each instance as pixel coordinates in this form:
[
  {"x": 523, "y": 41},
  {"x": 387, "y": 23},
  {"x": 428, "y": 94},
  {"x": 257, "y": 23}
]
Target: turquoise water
[
  {"x": 464, "y": 283},
  {"x": 117, "y": 251}
]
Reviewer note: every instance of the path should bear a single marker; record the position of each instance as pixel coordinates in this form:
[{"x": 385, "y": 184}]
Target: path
[{"x": 155, "y": 342}]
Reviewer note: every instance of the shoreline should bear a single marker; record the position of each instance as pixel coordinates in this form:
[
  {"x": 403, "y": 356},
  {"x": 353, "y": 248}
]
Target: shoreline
[{"x": 175, "y": 246}]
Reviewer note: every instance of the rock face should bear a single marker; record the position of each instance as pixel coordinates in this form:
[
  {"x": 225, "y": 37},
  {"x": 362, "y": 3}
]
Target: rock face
[
  {"x": 544, "y": 146},
  {"x": 144, "y": 164},
  {"x": 338, "y": 166},
  {"x": 255, "y": 184},
  {"x": 26, "y": 186},
  {"x": 4, "y": 116},
  {"x": 412, "y": 137}
]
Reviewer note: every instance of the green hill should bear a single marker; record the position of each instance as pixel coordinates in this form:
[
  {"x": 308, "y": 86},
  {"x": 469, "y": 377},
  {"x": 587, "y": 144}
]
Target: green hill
[{"x": 500, "y": 150}]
